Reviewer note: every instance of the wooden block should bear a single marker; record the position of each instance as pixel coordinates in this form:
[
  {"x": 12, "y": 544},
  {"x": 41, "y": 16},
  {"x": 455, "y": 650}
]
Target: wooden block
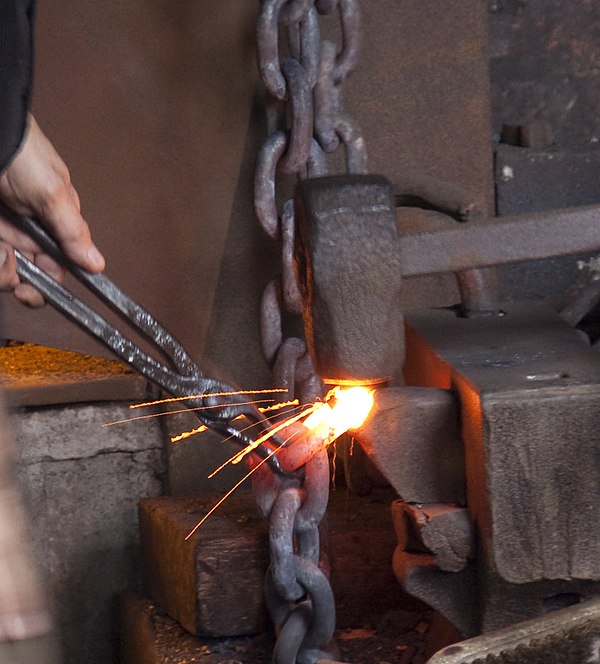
[{"x": 212, "y": 584}]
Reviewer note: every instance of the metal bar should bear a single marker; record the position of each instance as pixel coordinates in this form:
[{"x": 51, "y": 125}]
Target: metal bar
[
  {"x": 566, "y": 629},
  {"x": 500, "y": 240}
]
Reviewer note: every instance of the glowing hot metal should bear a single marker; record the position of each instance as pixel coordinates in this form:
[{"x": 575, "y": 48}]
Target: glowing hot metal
[{"x": 343, "y": 409}]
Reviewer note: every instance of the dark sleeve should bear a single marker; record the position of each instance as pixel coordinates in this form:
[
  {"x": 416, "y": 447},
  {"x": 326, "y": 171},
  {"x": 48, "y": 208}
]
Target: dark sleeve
[{"x": 16, "y": 67}]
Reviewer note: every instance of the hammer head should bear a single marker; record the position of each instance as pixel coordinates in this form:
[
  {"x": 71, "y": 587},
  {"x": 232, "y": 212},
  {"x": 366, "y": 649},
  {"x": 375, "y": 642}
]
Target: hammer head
[{"x": 348, "y": 263}]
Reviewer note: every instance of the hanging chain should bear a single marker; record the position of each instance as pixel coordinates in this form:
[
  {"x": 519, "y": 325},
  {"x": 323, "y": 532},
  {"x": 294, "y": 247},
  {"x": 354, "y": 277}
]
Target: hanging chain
[{"x": 305, "y": 123}]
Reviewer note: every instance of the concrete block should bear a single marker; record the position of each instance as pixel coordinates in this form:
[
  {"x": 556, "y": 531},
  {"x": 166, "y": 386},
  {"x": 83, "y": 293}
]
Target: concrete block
[{"x": 82, "y": 482}]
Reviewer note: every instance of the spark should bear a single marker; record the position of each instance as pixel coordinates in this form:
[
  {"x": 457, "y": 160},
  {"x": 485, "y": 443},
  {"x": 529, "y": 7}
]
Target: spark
[
  {"x": 203, "y": 428},
  {"x": 189, "y": 434},
  {"x": 343, "y": 409},
  {"x": 334, "y": 465},
  {"x": 279, "y": 406},
  {"x": 239, "y": 456},
  {"x": 271, "y": 432},
  {"x": 275, "y": 390},
  {"x": 218, "y": 504},
  {"x": 190, "y": 410}
]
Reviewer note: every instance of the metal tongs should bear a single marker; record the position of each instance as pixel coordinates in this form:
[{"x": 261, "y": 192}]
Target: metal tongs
[{"x": 181, "y": 377}]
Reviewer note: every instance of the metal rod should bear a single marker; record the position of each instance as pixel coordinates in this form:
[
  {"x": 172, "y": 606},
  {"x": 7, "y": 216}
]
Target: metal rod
[{"x": 497, "y": 241}]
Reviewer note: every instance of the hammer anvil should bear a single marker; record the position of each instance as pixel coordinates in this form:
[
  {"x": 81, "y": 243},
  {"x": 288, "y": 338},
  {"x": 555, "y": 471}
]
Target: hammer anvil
[{"x": 348, "y": 265}]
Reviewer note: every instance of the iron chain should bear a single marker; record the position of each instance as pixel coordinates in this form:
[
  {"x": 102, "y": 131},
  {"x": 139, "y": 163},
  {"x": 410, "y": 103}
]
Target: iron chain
[{"x": 305, "y": 123}]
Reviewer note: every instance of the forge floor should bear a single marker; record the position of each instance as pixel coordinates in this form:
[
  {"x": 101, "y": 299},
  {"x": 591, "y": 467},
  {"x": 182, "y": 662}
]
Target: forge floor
[
  {"x": 402, "y": 637},
  {"x": 378, "y": 623}
]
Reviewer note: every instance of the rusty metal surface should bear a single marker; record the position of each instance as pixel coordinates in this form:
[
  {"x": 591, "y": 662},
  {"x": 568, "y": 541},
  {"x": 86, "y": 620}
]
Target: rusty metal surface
[
  {"x": 544, "y": 66},
  {"x": 535, "y": 180},
  {"x": 149, "y": 104},
  {"x": 167, "y": 114},
  {"x": 421, "y": 97},
  {"x": 414, "y": 55},
  {"x": 349, "y": 275},
  {"x": 497, "y": 241},
  {"x": 528, "y": 386},
  {"x": 421, "y": 93},
  {"x": 568, "y": 635},
  {"x": 39, "y": 376},
  {"x": 181, "y": 129},
  {"x": 412, "y": 436}
]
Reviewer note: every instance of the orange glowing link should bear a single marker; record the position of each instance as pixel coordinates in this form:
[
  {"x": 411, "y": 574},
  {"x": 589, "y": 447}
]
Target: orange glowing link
[{"x": 344, "y": 408}]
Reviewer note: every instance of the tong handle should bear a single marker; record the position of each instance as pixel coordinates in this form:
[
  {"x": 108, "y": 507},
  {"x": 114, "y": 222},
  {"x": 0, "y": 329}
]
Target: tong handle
[
  {"x": 184, "y": 379},
  {"x": 85, "y": 317}
]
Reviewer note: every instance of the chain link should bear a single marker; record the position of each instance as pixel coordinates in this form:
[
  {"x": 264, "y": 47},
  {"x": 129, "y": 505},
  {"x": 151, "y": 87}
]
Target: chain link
[{"x": 305, "y": 123}]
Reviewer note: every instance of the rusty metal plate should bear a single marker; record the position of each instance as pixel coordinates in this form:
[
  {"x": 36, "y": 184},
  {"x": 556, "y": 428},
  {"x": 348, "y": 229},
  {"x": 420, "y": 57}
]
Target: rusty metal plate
[
  {"x": 421, "y": 92},
  {"x": 568, "y": 635},
  {"x": 39, "y": 376},
  {"x": 421, "y": 96}
]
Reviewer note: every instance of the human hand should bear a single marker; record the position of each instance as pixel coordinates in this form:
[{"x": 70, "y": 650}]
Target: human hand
[{"x": 37, "y": 183}]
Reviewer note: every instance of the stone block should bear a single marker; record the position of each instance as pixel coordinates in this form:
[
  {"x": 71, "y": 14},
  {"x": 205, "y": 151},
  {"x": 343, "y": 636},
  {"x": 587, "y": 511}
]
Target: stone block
[{"x": 81, "y": 482}]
